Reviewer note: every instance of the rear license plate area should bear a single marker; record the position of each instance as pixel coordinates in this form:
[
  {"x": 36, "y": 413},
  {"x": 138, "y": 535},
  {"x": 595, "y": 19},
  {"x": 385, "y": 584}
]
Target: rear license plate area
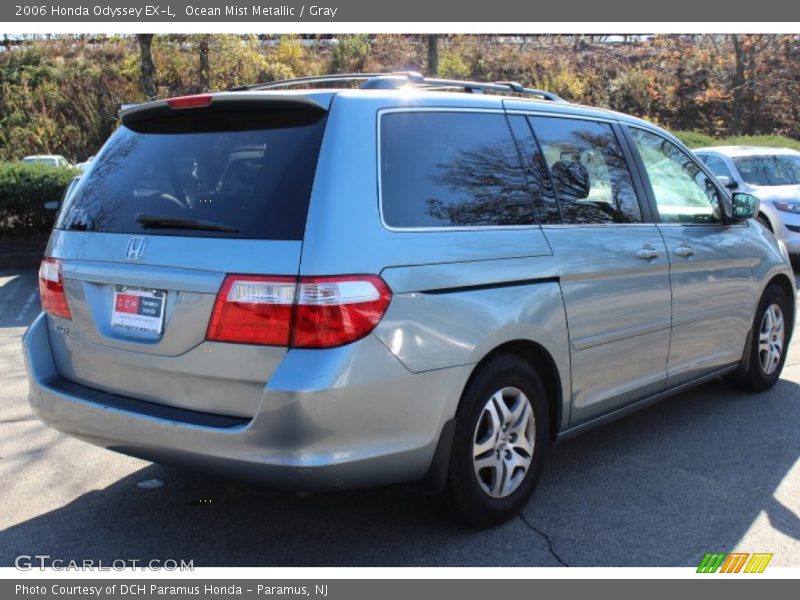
[{"x": 138, "y": 309}]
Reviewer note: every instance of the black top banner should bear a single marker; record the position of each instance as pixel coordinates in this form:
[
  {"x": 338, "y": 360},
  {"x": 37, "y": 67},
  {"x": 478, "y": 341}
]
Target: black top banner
[{"x": 445, "y": 12}]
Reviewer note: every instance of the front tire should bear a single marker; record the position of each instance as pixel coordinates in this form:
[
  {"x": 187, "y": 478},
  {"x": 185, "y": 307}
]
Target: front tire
[
  {"x": 769, "y": 342},
  {"x": 500, "y": 441}
]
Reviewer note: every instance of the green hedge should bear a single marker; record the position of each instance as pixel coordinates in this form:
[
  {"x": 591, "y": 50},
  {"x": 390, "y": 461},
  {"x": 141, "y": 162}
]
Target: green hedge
[
  {"x": 24, "y": 189},
  {"x": 694, "y": 139}
]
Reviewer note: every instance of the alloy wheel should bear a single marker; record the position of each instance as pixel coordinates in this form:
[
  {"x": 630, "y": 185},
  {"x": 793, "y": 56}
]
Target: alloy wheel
[
  {"x": 503, "y": 442},
  {"x": 771, "y": 339}
]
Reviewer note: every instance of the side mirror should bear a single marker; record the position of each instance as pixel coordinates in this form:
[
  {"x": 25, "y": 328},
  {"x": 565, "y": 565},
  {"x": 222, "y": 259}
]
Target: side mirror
[
  {"x": 727, "y": 182},
  {"x": 52, "y": 205},
  {"x": 745, "y": 206}
]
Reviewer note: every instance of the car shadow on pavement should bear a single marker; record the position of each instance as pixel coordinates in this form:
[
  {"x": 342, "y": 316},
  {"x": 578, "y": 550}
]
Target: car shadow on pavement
[
  {"x": 688, "y": 476},
  {"x": 783, "y": 519},
  {"x": 659, "y": 488}
]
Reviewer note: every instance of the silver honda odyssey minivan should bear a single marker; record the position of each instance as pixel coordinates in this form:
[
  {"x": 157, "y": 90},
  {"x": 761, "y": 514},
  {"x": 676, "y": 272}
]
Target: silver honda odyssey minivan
[{"x": 322, "y": 288}]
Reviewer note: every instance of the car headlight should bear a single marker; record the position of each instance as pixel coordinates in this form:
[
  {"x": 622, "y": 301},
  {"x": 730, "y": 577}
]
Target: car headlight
[{"x": 791, "y": 207}]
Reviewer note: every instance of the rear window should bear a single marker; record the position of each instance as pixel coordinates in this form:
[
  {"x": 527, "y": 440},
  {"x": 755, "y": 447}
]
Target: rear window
[
  {"x": 451, "y": 169},
  {"x": 769, "y": 170},
  {"x": 243, "y": 174}
]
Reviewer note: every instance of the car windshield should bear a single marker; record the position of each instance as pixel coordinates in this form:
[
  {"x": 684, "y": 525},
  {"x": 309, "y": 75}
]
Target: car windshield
[
  {"x": 40, "y": 160},
  {"x": 769, "y": 170}
]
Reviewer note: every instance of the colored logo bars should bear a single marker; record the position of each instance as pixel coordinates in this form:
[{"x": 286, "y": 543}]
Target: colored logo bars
[{"x": 735, "y": 562}]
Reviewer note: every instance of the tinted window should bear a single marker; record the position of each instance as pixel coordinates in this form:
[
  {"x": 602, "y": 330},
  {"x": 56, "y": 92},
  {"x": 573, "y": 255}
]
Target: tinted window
[
  {"x": 450, "y": 169},
  {"x": 41, "y": 161},
  {"x": 250, "y": 172},
  {"x": 545, "y": 207},
  {"x": 682, "y": 190},
  {"x": 588, "y": 171},
  {"x": 717, "y": 166},
  {"x": 769, "y": 170}
]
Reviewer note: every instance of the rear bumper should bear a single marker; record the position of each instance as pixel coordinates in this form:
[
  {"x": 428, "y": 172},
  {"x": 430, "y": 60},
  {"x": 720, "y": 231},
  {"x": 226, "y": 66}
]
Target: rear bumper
[{"x": 329, "y": 419}]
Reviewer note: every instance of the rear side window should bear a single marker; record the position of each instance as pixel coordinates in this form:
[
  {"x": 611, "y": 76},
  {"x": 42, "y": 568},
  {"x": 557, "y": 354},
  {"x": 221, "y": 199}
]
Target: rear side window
[
  {"x": 243, "y": 174},
  {"x": 545, "y": 207},
  {"x": 588, "y": 171},
  {"x": 717, "y": 166},
  {"x": 451, "y": 169}
]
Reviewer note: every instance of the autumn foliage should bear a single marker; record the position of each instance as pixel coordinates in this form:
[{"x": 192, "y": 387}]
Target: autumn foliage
[{"x": 61, "y": 95}]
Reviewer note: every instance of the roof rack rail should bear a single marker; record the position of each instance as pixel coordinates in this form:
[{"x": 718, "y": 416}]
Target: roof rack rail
[
  {"x": 304, "y": 81},
  {"x": 404, "y": 79}
]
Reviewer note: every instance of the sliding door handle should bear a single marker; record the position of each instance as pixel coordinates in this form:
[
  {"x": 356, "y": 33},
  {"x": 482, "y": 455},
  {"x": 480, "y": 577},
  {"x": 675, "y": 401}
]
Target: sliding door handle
[{"x": 647, "y": 252}]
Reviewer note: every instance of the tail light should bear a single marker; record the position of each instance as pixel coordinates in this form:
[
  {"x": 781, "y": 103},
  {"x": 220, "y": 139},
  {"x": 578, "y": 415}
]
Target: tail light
[
  {"x": 253, "y": 310},
  {"x": 51, "y": 289},
  {"x": 196, "y": 101},
  {"x": 332, "y": 311},
  {"x": 309, "y": 312}
]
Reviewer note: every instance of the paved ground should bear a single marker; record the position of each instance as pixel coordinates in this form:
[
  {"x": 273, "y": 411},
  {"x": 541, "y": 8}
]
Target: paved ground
[{"x": 713, "y": 469}]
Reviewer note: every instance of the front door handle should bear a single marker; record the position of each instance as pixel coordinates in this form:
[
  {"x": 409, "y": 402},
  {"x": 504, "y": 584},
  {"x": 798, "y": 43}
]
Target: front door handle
[
  {"x": 684, "y": 250},
  {"x": 647, "y": 252}
]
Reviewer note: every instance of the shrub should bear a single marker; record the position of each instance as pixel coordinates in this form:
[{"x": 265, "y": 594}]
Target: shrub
[
  {"x": 630, "y": 92},
  {"x": 24, "y": 189},
  {"x": 694, "y": 139},
  {"x": 451, "y": 65},
  {"x": 350, "y": 54}
]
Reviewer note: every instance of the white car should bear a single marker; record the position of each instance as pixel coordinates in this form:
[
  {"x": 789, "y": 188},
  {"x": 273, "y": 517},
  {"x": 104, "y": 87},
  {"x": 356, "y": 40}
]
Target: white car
[
  {"x": 51, "y": 160},
  {"x": 82, "y": 166},
  {"x": 770, "y": 174}
]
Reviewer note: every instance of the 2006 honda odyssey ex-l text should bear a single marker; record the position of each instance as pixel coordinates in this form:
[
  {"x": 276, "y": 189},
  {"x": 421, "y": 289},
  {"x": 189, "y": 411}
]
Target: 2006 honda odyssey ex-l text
[{"x": 417, "y": 279}]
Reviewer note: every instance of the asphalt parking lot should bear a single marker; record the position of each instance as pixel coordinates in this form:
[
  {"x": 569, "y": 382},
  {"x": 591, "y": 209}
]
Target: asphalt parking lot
[{"x": 710, "y": 470}]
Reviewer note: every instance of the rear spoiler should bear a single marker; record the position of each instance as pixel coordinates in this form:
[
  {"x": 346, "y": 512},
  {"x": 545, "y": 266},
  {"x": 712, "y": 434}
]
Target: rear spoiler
[
  {"x": 127, "y": 106},
  {"x": 223, "y": 101}
]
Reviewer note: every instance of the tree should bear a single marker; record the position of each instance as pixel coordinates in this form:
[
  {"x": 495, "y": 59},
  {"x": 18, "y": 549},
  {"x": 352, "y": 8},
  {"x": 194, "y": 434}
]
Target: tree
[
  {"x": 738, "y": 85},
  {"x": 205, "y": 66},
  {"x": 748, "y": 79},
  {"x": 148, "y": 68},
  {"x": 433, "y": 55}
]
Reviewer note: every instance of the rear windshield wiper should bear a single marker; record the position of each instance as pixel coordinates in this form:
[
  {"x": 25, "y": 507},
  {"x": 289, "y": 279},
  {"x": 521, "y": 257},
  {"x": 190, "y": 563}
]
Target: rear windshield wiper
[{"x": 149, "y": 221}]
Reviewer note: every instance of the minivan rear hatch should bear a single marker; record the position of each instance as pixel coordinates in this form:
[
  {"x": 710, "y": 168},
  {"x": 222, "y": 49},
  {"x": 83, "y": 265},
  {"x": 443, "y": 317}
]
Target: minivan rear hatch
[{"x": 184, "y": 192}]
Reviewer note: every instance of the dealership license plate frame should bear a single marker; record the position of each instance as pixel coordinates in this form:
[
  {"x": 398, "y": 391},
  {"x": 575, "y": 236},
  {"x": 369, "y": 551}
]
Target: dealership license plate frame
[{"x": 138, "y": 309}]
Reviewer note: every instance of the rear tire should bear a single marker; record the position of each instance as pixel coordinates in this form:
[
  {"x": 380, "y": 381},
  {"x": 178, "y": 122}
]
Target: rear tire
[
  {"x": 769, "y": 342},
  {"x": 500, "y": 442}
]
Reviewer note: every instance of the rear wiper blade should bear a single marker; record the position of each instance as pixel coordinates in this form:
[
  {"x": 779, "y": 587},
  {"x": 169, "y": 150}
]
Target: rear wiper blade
[{"x": 149, "y": 221}]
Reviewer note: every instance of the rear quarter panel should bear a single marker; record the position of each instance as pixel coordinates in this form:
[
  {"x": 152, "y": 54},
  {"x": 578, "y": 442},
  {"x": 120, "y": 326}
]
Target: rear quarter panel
[{"x": 430, "y": 328}]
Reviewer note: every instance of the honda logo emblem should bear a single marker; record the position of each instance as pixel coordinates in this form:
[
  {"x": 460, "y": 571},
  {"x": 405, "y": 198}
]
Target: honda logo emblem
[{"x": 136, "y": 246}]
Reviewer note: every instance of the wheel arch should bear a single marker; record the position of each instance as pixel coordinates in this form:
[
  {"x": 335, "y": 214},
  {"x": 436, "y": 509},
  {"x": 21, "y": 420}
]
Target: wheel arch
[
  {"x": 782, "y": 280},
  {"x": 543, "y": 362},
  {"x": 762, "y": 215}
]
